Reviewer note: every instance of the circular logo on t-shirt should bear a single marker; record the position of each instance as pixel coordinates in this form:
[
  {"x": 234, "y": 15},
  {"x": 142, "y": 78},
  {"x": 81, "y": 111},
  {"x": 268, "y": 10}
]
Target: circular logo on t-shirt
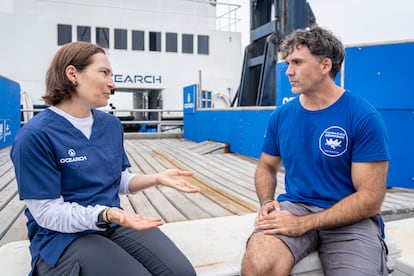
[{"x": 333, "y": 141}]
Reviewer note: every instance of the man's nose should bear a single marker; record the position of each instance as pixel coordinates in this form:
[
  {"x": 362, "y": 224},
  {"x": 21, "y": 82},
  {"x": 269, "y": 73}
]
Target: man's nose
[{"x": 289, "y": 71}]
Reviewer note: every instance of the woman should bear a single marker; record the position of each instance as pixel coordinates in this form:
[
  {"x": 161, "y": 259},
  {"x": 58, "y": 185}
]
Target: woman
[{"x": 71, "y": 165}]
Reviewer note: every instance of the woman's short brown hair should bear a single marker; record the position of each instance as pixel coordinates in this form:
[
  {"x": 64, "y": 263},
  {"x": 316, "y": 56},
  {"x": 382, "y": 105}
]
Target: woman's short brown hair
[{"x": 78, "y": 54}]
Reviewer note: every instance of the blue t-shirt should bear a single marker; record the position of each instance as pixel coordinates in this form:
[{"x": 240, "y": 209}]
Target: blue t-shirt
[
  {"x": 52, "y": 158},
  {"x": 318, "y": 147}
]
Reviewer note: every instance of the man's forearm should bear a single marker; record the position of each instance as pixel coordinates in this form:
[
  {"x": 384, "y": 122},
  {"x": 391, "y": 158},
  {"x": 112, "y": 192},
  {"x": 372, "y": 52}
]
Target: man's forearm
[
  {"x": 265, "y": 183},
  {"x": 369, "y": 180},
  {"x": 351, "y": 209}
]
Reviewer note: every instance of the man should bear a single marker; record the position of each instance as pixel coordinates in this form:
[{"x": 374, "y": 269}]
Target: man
[{"x": 334, "y": 150}]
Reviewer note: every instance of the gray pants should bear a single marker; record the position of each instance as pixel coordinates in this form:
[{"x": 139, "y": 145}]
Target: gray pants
[
  {"x": 120, "y": 251},
  {"x": 356, "y": 249}
]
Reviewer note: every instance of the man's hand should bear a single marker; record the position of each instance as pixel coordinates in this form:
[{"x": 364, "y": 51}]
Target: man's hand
[
  {"x": 268, "y": 207},
  {"x": 272, "y": 220}
]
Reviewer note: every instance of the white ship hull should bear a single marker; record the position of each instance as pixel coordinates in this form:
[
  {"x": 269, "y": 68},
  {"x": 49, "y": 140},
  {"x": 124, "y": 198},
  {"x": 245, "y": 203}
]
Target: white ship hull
[{"x": 144, "y": 78}]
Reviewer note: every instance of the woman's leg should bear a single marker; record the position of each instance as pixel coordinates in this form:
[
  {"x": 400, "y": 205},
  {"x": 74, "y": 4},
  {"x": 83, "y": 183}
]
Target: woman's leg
[
  {"x": 93, "y": 255},
  {"x": 158, "y": 254}
]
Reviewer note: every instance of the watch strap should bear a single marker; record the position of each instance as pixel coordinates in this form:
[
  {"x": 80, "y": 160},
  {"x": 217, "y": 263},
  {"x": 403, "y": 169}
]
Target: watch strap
[{"x": 101, "y": 223}]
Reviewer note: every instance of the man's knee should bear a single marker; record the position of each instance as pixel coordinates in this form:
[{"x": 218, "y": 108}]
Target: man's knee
[{"x": 266, "y": 255}]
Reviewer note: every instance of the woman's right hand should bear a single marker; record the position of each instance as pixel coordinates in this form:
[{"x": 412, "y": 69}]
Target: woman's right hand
[{"x": 131, "y": 220}]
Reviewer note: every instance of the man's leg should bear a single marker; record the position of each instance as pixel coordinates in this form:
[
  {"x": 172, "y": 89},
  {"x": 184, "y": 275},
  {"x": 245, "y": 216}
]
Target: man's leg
[
  {"x": 277, "y": 254},
  {"x": 266, "y": 255},
  {"x": 356, "y": 249}
]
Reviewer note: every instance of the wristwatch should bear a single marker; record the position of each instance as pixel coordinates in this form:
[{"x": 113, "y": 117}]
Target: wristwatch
[{"x": 101, "y": 223}]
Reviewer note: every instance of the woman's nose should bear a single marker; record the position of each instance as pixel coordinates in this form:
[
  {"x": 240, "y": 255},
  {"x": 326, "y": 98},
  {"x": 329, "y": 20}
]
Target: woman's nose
[{"x": 111, "y": 84}]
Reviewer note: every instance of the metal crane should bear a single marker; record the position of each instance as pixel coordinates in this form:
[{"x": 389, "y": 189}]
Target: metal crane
[{"x": 270, "y": 22}]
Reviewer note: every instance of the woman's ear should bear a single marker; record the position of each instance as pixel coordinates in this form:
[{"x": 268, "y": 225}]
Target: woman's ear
[{"x": 71, "y": 74}]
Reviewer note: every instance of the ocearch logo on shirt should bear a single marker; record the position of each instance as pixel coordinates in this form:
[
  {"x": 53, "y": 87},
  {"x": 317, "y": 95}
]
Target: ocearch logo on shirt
[{"x": 72, "y": 157}]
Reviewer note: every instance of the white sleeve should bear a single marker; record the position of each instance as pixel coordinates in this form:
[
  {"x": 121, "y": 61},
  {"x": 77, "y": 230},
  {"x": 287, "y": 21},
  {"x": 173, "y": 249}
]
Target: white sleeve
[
  {"x": 126, "y": 176},
  {"x": 70, "y": 217},
  {"x": 64, "y": 217}
]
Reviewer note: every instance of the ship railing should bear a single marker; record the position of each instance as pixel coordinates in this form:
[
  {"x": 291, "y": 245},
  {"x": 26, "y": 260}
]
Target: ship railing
[
  {"x": 160, "y": 120},
  {"x": 227, "y": 18}
]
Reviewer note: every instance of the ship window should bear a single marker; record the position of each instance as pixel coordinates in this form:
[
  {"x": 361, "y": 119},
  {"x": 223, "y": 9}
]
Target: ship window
[
  {"x": 102, "y": 37},
  {"x": 64, "y": 34},
  {"x": 203, "y": 44},
  {"x": 138, "y": 40},
  {"x": 155, "y": 41},
  {"x": 84, "y": 33},
  {"x": 171, "y": 42},
  {"x": 121, "y": 39},
  {"x": 187, "y": 44}
]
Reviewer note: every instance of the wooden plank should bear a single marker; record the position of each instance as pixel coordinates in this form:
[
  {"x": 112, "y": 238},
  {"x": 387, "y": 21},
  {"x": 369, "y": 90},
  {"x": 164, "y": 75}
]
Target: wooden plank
[
  {"x": 236, "y": 173},
  {"x": 213, "y": 189},
  {"x": 9, "y": 214},
  {"x": 213, "y": 200},
  {"x": 142, "y": 205},
  {"x": 398, "y": 203},
  {"x": 240, "y": 166},
  {"x": 177, "y": 143},
  {"x": 182, "y": 202},
  {"x": 12, "y": 219},
  {"x": 146, "y": 202},
  {"x": 4, "y": 155},
  {"x": 208, "y": 147},
  {"x": 399, "y": 198},
  {"x": 199, "y": 164},
  {"x": 186, "y": 204},
  {"x": 238, "y": 163},
  {"x": 5, "y": 166},
  {"x": 215, "y": 175},
  {"x": 212, "y": 208},
  {"x": 17, "y": 231},
  {"x": 8, "y": 193},
  {"x": 146, "y": 162},
  {"x": 163, "y": 206},
  {"x": 6, "y": 173},
  {"x": 134, "y": 158},
  {"x": 201, "y": 205},
  {"x": 126, "y": 204}
]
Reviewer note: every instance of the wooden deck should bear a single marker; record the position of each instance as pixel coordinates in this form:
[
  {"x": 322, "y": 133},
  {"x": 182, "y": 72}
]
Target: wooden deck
[{"x": 225, "y": 179}]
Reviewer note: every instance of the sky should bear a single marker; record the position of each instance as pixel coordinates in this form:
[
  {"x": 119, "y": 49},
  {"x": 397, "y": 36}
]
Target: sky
[{"x": 353, "y": 21}]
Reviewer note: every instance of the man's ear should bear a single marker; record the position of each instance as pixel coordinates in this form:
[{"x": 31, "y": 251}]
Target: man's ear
[
  {"x": 326, "y": 65},
  {"x": 72, "y": 74}
]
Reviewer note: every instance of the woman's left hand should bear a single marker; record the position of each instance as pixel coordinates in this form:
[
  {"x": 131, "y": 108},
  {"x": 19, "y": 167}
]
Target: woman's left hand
[{"x": 174, "y": 178}]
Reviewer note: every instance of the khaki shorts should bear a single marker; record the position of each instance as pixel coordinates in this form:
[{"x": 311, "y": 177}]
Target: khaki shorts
[{"x": 356, "y": 249}]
